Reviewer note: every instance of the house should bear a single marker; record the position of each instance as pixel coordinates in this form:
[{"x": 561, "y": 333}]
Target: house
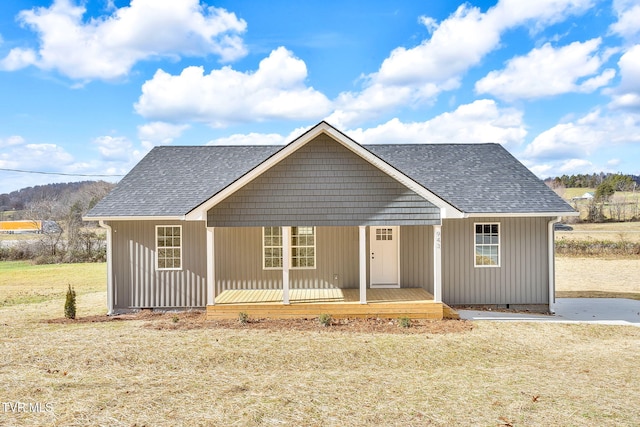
[
  {"x": 326, "y": 225},
  {"x": 586, "y": 196}
]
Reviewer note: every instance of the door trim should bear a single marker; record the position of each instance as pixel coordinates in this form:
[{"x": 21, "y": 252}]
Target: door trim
[{"x": 396, "y": 232}]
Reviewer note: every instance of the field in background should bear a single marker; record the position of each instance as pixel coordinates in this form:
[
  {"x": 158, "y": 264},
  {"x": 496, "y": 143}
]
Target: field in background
[
  {"x": 612, "y": 231},
  {"x": 22, "y": 282},
  {"x": 623, "y": 205},
  {"x": 153, "y": 371}
]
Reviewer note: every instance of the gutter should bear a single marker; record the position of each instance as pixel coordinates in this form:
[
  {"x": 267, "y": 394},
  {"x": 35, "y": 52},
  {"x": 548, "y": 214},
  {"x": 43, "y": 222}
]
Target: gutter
[
  {"x": 551, "y": 251},
  {"x": 109, "y": 267}
]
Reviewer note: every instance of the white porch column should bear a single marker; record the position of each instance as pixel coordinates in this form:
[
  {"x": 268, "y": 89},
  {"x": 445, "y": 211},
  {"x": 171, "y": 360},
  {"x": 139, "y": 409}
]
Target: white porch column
[
  {"x": 110, "y": 290},
  {"x": 437, "y": 263},
  {"x": 362, "y": 230},
  {"x": 211, "y": 267},
  {"x": 286, "y": 261}
]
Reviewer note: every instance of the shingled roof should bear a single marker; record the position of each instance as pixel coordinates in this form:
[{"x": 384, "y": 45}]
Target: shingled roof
[{"x": 473, "y": 178}]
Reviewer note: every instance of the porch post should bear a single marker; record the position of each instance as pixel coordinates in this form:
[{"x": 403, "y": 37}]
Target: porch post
[
  {"x": 286, "y": 260},
  {"x": 437, "y": 263},
  {"x": 362, "y": 230},
  {"x": 211, "y": 267},
  {"x": 110, "y": 284}
]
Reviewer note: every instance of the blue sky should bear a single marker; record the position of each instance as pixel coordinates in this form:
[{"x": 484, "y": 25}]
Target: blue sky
[{"x": 90, "y": 87}]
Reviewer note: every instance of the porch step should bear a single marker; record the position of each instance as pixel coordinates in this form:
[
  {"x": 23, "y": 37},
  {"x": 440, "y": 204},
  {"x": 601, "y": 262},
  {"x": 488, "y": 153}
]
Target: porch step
[
  {"x": 449, "y": 313},
  {"x": 413, "y": 310}
]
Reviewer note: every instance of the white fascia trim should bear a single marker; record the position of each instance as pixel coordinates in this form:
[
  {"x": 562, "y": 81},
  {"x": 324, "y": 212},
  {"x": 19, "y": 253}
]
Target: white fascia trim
[
  {"x": 516, "y": 215},
  {"x": 134, "y": 218},
  {"x": 200, "y": 213}
]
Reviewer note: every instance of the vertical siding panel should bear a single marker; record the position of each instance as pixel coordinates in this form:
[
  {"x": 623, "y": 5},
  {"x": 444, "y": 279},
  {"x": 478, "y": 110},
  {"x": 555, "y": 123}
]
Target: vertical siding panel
[
  {"x": 522, "y": 276},
  {"x": 134, "y": 250}
]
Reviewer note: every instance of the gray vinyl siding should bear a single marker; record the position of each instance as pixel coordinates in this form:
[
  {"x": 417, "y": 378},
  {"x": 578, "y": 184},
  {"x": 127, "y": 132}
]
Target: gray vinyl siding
[
  {"x": 323, "y": 184},
  {"x": 137, "y": 283},
  {"x": 238, "y": 264},
  {"x": 416, "y": 257},
  {"x": 523, "y": 275}
]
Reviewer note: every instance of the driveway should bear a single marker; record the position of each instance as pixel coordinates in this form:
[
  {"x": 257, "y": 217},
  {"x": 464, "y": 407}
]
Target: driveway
[{"x": 606, "y": 311}]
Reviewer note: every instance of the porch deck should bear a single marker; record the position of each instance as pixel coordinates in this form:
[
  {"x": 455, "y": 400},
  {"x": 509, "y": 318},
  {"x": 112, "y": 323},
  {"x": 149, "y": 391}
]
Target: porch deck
[{"x": 415, "y": 303}]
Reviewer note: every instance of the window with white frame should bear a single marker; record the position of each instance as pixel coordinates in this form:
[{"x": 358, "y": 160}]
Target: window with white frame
[
  {"x": 272, "y": 247},
  {"x": 168, "y": 247},
  {"x": 487, "y": 245},
  {"x": 303, "y": 247}
]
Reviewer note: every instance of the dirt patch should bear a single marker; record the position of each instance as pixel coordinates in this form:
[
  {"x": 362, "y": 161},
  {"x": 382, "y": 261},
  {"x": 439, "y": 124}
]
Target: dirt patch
[{"x": 196, "y": 320}]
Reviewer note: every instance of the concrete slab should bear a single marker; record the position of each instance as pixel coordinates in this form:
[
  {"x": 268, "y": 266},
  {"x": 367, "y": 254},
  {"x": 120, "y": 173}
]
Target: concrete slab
[{"x": 606, "y": 311}]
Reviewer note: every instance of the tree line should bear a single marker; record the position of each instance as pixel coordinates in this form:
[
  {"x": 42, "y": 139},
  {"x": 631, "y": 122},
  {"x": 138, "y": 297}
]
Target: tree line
[
  {"x": 618, "y": 181},
  {"x": 65, "y": 204}
]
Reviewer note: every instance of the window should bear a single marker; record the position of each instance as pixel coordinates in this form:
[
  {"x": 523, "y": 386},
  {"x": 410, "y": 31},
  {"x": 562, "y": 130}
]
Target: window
[
  {"x": 487, "y": 245},
  {"x": 384, "y": 233},
  {"x": 168, "y": 247},
  {"x": 303, "y": 247},
  {"x": 272, "y": 247}
]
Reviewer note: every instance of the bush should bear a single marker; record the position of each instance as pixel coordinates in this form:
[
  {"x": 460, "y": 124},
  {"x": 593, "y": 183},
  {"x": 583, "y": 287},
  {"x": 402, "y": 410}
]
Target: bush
[
  {"x": 596, "y": 247},
  {"x": 243, "y": 318},
  {"x": 325, "y": 319},
  {"x": 70, "y": 304},
  {"x": 404, "y": 322}
]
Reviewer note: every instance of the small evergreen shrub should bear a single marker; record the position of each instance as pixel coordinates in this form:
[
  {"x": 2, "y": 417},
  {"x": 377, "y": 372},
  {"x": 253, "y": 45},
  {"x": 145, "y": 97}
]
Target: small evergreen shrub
[
  {"x": 243, "y": 318},
  {"x": 325, "y": 319},
  {"x": 404, "y": 322},
  {"x": 70, "y": 304}
]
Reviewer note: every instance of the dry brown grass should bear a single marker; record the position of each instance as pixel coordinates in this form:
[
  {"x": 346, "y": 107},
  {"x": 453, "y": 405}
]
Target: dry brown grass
[
  {"x": 149, "y": 372},
  {"x": 612, "y": 231},
  {"x": 22, "y": 282},
  {"x": 594, "y": 277}
]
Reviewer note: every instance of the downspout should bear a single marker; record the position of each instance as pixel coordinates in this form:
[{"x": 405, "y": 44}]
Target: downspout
[
  {"x": 551, "y": 251},
  {"x": 109, "y": 268}
]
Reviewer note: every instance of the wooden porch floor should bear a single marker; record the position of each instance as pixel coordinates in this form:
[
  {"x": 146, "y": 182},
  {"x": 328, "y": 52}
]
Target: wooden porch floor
[{"x": 415, "y": 303}]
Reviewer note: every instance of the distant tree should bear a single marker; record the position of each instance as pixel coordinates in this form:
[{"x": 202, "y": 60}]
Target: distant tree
[{"x": 604, "y": 191}]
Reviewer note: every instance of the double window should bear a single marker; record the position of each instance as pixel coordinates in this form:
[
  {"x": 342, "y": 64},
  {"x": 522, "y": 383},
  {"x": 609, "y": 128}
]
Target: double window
[
  {"x": 168, "y": 247},
  {"x": 487, "y": 245},
  {"x": 303, "y": 247}
]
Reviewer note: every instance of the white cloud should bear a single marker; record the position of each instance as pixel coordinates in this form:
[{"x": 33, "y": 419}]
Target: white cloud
[
  {"x": 37, "y": 157},
  {"x": 585, "y": 136},
  {"x": 11, "y": 141},
  {"x": 480, "y": 121},
  {"x": 108, "y": 47},
  {"x": 573, "y": 166},
  {"x": 627, "y": 95},
  {"x": 112, "y": 148},
  {"x": 250, "y": 139},
  {"x": 548, "y": 71},
  {"x": 418, "y": 74},
  {"x": 628, "y": 12},
  {"x": 275, "y": 91},
  {"x": 159, "y": 133}
]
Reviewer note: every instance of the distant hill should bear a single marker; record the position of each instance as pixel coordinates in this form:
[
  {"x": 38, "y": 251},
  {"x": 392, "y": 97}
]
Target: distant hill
[{"x": 18, "y": 200}]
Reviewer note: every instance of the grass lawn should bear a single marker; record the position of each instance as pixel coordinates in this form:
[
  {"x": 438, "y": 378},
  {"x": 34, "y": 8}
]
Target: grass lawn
[
  {"x": 612, "y": 231},
  {"x": 153, "y": 371},
  {"x": 22, "y": 282}
]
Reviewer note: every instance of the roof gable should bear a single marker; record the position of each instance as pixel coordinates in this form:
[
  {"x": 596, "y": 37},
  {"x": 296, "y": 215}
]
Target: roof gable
[
  {"x": 459, "y": 179},
  {"x": 200, "y": 212},
  {"x": 323, "y": 184}
]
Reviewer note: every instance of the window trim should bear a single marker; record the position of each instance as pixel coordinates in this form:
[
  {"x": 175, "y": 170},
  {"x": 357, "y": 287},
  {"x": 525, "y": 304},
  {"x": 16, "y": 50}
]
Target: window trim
[
  {"x": 264, "y": 247},
  {"x": 313, "y": 233},
  {"x": 498, "y": 245},
  {"x": 291, "y": 246},
  {"x": 157, "y": 254}
]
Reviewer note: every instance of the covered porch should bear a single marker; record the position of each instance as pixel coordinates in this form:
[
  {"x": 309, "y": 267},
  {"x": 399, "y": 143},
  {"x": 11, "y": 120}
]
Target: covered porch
[{"x": 415, "y": 303}]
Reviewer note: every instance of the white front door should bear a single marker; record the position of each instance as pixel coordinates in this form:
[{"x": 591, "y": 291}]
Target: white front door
[{"x": 383, "y": 256}]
